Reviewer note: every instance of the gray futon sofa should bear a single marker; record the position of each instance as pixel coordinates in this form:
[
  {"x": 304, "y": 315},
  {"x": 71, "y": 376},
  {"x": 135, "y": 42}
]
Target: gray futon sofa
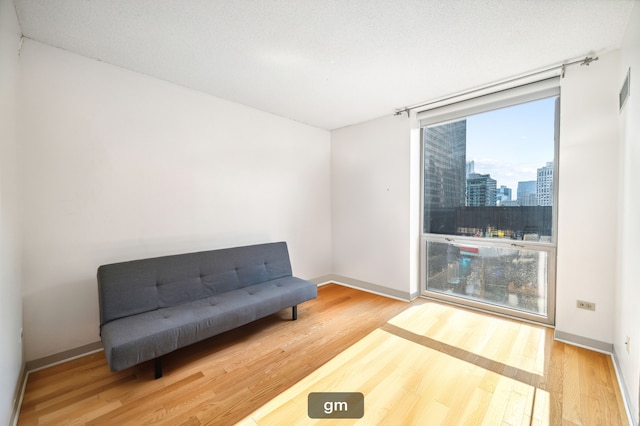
[{"x": 150, "y": 307}]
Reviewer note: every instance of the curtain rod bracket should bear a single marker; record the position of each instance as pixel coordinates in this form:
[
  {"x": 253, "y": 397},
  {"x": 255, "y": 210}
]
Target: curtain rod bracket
[
  {"x": 587, "y": 61},
  {"x": 400, "y": 111}
]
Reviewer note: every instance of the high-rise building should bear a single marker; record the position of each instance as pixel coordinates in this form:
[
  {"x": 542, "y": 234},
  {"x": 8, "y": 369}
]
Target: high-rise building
[
  {"x": 471, "y": 166},
  {"x": 481, "y": 190},
  {"x": 544, "y": 185},
  {"x": 527, "y": 193},
  {"x": 445, "y": 164},
  {"x": 445, "y": 152},
  {"x": 503, "y": 195}
]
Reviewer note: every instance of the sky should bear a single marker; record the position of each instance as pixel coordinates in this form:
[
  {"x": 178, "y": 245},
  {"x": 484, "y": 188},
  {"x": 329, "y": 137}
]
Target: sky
[{"x": 511, "y": 143}]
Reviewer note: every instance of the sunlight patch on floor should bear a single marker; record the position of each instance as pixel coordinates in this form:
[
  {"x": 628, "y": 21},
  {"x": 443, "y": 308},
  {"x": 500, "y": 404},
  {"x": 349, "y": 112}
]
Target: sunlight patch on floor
[
  {"x": 405, "y": 381},
  {"x": 479, "y": 334}
]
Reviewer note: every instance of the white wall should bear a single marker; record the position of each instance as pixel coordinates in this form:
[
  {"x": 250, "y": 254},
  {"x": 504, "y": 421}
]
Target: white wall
[
  {"x": 627, "y": 296},
  {"x": 371, "y": 200},
  {"x": 117, "y": 166},
  {"x": 588, "y": 199},
  {"x": 11, "y": 360}
]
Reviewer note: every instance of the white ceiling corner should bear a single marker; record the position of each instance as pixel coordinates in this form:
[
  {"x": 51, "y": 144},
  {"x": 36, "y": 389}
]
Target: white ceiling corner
[{"x": 328, "y": 63}]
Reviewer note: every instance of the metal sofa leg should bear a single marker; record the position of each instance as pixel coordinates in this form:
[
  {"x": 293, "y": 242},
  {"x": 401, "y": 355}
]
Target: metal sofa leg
[
  {"x": 294, "y": 312},
  {"x": 158, "y": 367}
]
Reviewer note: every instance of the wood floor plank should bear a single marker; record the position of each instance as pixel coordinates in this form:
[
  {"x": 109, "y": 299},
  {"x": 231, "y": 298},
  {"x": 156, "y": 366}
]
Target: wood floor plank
[
  {"x": 572, "y": 402},
  {"x": 416, "y": 363}
]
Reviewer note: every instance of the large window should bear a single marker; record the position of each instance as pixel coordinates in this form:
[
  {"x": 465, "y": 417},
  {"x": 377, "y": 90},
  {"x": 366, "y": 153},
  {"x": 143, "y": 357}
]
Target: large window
[{"x": 489, "y": 200}]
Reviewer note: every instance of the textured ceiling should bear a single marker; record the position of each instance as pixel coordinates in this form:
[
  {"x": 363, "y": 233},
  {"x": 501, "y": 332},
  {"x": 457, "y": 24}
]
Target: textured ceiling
[{"x": 328, "y": 63}]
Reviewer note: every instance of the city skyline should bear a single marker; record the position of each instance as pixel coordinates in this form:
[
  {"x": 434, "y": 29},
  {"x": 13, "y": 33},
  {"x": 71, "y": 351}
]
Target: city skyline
[
  {"x": 511, "y": 144},
  {"x": 523, "y": 190}
]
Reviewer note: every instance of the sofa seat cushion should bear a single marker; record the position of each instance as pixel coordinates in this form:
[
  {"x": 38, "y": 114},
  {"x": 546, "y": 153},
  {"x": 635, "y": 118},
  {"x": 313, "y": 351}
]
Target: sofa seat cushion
[{"x": 134, "y": 339}]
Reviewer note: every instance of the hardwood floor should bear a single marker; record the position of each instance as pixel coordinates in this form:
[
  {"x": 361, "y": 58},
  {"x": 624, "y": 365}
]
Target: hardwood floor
[{"x": 416, "y": 361}]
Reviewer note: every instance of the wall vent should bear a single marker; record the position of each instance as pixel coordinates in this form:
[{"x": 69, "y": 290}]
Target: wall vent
[{"x": 626, "y": 89}]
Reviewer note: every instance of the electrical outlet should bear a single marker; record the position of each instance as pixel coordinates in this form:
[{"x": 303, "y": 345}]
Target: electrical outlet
[
  {"x": 627, "y": 343},
  {"x": 586, "y": 305}
]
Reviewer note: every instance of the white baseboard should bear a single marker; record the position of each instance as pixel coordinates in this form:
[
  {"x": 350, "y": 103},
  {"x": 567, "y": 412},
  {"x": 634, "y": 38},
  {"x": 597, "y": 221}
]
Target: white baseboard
[
  {"x": 583, "y": 342},
  {"x": 59, "y": 358},
  {"x": 18, "y": 394},
  {"x": 364, "y": 286}
]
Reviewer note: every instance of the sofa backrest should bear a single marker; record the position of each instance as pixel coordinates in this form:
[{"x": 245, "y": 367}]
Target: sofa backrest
[{"x": 137, "y": 286}]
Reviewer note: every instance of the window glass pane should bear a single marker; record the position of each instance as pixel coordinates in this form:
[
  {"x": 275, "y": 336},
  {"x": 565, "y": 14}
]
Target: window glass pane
[
  {"x": 491, "y": 174},
  {"x": 511, "y": 277}
]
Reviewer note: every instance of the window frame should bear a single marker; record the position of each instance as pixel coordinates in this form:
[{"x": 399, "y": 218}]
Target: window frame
[{"x": 458, "y": 109}]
